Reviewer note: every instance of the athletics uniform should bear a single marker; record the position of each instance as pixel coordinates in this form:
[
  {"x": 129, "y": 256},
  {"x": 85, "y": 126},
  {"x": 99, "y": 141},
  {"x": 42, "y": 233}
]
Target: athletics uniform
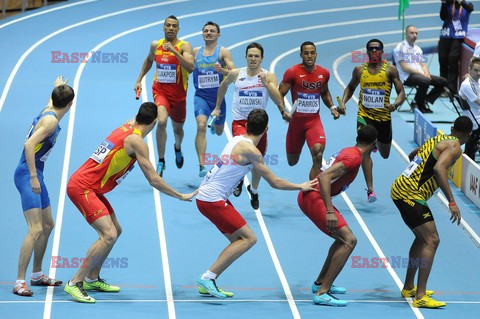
[
  {"x": 170, "y": 82},
  {"x": 102, "y": 172},
  {"x": 206, "y": 81},
  {"x": 249, "y": 94},
  {"x": 373, "y": 102},
  {"x": 417, "y": 184},
  {"x": 218, "y": 185},
  {"x": 311, "y": 203},
  {"x": 305, "y": 124},
  {"x": 30, "y": 199}
]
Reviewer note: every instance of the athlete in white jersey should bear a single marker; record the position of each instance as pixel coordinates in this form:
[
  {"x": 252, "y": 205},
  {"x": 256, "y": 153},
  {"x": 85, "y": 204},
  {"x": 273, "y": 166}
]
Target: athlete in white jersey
[
  {"x": 238, "y": 157},
  {"x": 253, "y": 86}
]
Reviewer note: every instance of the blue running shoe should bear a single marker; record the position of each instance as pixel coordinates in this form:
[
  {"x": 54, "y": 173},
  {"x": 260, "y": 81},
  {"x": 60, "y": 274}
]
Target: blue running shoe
[
  {"x": 329, "y": 300},
  {"x": 333, "y": 289},
  {"x": 211, "y": 287},
  {"x": 178, "y": 157},
  {"x": 160, "y": 168},
  {"x": 203, "y": 171}
]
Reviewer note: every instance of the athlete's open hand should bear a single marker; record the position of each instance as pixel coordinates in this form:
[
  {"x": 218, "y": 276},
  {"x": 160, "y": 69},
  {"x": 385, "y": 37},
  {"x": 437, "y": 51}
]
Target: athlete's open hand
[
  {"x": 189, "y": 197},
  {"x": 456, "y": 216},
  {"x": 60, "y": 81},
  {"x": 309, "y": 185}
]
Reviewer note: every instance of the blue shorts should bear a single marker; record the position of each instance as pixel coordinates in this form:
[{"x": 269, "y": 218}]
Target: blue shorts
[
  {"x": 29, "y": 198},
  {"x": 205, "y": 107}
]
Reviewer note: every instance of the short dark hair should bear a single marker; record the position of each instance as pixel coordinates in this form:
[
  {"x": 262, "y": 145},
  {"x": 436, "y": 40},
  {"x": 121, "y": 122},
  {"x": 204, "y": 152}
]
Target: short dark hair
[
  {"x": 374, "y": 40},
  {"x": 147, "y": 113},
  {"x": 257, "y": 121},
  {"x": 474, "y": 60},
  {"x": 171, "y": 17},
  {"x": 409, "y": 26},
  {"x": 367, "y": 134},
  {"x": 254, "y": 45},
  {"x": 463, "y": 124},
  {"x": 305, "y": 44},
  {"x": 212, "y": 23},
  {"x": 62, "y": 95}
]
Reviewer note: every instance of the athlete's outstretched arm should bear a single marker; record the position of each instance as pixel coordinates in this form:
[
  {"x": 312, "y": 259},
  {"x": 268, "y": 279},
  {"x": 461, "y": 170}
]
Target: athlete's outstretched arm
[
  {"x": 352, "y": 85},
  {"x": 135, "y": 145},
  {"x": 222, "y": 90},
  {"x": 392, "y": 74}
]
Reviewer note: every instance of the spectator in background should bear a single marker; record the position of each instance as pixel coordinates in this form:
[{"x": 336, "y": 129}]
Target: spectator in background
[
  {"x": 470, "y": 92},
  {"x": 455, "y": 15},
  {"x": 413, "y": 71}
]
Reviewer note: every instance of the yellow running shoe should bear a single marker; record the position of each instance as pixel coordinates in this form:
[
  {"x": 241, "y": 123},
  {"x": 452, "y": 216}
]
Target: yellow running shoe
[
  {"x": 100, "y": 285},
  {"x": 203, "y": 292},
  {"x": 411, "y": 293},
  {"x": 78, "y": 292},
  {"x": 428, "y": 302}
]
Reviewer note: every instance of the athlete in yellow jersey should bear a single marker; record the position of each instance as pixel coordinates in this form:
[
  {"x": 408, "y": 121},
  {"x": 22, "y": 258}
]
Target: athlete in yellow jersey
[
  {"x": 374, "y": 107},
  {"x": 427, "y": 172}
]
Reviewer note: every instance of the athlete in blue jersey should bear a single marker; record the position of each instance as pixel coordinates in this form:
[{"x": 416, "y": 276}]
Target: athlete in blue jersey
[
  {"x": 29, "y": 181},
  {"x": 210, "y": 60}
]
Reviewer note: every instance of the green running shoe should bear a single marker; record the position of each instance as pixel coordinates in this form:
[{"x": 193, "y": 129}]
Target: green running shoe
[
  {"x": 78, "y": 292},
  {"x": 204, "y": 293},
  {"x": 100, "y": 285}
]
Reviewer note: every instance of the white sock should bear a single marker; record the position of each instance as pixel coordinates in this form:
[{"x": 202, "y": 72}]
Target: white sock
[
  {"x": 36, "y": 275},
  {"x": 70, "y": 284},
  {"x": 209, "y": 275},
  {"x": 19, "y": 282},
  {"x": 253, "y": 190},
  {"x": 90, "y": 280}
]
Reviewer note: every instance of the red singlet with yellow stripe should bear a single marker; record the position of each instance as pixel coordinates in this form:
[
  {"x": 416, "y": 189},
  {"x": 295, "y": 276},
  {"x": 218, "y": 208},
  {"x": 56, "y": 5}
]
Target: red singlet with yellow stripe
[
  {"x": 171, "y": 79},
  {"x": 109, "y": 164}
]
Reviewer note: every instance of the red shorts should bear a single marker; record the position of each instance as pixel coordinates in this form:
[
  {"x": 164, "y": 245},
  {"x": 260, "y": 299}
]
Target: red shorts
[
  {"x": 311, "y": 204},
  {"x": 302, "y": 128},
  {"x": 177, "y": 110},
  {"x": 90, "y": 204},
  {"x": 223, "y": 215},
  {"x": 239, "y": 128}
]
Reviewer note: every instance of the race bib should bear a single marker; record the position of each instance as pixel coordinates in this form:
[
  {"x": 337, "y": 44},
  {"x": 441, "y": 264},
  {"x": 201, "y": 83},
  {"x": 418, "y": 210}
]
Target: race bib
[
  {"x": 330, "y": 162},
  {"x": 412, "y": 166},
  {"x": 249, "y": 100},
  {"x": 308, "y": 102},
  {"x": 45, "y": 156},
  {"x": 373, "y": 98},
  {"x": 102, "y": 151},
  {"x": 166, "y": 73},
  {"x": 121, "y": 178},
  {"x": 457, "y": 25},
  {"x": 208, "y": 81}
]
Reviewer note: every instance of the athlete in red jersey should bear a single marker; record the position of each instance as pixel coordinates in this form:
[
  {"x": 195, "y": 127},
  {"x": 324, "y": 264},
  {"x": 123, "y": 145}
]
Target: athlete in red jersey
[
  {"x": 174, "y": 61},
  {"x": 307, "y": 82},
  {"x": 335, "y": 176},
  {"x": 102, "y": 172}
]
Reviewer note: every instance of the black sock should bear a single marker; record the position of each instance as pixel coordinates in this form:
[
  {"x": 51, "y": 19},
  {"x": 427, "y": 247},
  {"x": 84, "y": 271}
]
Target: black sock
[
  {"x": 161, "y": 160},
  {"x": 317, "y": 283},
  {"x": 175, "y": 147}
]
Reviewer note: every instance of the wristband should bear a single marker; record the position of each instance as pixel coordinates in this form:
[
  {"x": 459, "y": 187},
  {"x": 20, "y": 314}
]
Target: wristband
[
  {"x": 333, "y": 107},
  {"x": 330, "y": 212},
  {"x": 452, "y": 204},
  {"x": 182, "y": 197}
]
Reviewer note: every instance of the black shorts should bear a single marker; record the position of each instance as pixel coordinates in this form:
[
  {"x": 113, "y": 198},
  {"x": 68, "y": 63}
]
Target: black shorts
[
  {"x": 414, "y": 213},
  {"x": 384, "y": 128}
]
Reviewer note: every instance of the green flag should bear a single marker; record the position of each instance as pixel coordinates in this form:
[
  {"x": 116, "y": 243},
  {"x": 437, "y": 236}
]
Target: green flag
[{"x": 402, "y": 6}]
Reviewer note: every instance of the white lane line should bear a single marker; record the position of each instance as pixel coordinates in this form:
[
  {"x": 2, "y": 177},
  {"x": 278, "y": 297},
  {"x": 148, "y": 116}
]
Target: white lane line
[
  {"x": 160, "y": 226},
  {"x": 57, "y": 8},
  {"x": 469, "y": 231},
  {"x": 59, "y": 31},
  {"x": 225, "y": 301}
]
